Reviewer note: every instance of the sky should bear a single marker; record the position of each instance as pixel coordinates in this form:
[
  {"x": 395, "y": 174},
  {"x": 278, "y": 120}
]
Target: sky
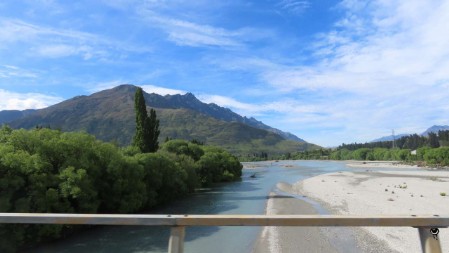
[{"x": 330, "y": 72}]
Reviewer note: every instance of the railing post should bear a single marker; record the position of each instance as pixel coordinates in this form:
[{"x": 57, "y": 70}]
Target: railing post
[
  {"x": 429, "y": 244},
  {"x": 176, "y": 242}
]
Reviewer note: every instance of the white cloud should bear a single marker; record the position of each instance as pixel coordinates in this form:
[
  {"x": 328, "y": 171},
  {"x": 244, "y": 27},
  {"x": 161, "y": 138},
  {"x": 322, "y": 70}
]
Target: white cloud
[
  {"x": 384, "y": 66},
  {"x": 21, "y": 101},
  {"x": 243, "y": 108},
  {"x": 161, "y": 90},
  {"x": 285, "y": 106}
]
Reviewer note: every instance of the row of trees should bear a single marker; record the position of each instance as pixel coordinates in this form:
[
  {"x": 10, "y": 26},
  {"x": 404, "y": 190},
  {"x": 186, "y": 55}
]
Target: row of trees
[
  {"x": 414, "y": 141},
  {"x": 431, "y": 156}
]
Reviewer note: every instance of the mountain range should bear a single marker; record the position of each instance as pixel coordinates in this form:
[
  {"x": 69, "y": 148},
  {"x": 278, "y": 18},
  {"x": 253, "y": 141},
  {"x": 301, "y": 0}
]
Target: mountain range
[
  {"x": 432, "y": 129},
  {"x": 109, "y": 115}
]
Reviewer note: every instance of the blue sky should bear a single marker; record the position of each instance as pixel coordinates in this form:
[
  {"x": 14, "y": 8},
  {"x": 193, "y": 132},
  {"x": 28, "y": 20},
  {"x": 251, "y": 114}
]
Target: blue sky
[{"x": 328, "y": 71}]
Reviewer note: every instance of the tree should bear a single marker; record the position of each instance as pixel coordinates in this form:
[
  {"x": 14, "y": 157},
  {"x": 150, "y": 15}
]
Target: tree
[
  {"x": 153, "y": 128},
  {"x": 147, "y": 128},
  {"x": 433, "y": 140}
]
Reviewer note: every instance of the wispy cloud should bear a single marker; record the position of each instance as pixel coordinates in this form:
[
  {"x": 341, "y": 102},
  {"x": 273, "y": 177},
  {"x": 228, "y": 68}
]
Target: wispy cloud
[
  {"x": 55, "y": 43},
  {"x": 10, "y": 71},
  {"x": 16, "y": 30},
  {"x": 294, "y": 6},
  {"x": 185, "y": 32},
  {"x": 21, "y": 101}
]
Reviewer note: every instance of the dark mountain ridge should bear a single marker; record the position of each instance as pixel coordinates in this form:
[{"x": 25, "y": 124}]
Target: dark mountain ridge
[
  {"x": 109, "y": 115},
  {"x": 10, "y": 115},
  {"x": 189, "y": 101}
]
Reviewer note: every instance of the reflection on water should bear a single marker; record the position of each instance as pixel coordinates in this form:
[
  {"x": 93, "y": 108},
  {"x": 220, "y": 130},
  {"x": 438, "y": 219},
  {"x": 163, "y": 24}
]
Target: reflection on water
[{"x": 248, "y": 196}]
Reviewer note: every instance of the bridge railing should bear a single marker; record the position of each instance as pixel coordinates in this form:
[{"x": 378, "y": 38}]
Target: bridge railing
[{"x": 429, "y": 242}]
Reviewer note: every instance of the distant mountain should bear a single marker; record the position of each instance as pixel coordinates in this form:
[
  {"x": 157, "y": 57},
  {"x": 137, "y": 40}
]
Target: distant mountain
[
  {"x": 434, "y": 129},
  {"x": 10, "y": 115},
  {"x": 189, "y": 101},
  {"x": 110, "y": 116},
  {"x": 389, "y": 137}
]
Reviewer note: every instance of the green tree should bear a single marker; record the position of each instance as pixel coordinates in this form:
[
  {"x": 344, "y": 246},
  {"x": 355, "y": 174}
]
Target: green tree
[
  {"x": 433, "y": 140},
  {"x": 140, "y": 138},
  {"x": 147, "y": 128},
  {"x": 153, "y": 131}
]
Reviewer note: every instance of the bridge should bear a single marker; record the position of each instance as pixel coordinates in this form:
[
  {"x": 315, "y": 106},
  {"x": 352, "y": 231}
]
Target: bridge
[{"x": 178, "y": 223}]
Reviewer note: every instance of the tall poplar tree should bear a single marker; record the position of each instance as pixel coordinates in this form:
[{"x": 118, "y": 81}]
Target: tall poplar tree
[
  {"x": 153, "y": 131},
  {"x": 147, "y": 128}
]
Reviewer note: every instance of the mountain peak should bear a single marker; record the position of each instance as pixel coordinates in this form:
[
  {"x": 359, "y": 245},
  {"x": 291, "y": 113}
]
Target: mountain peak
[
  {"x": 434, "y": 129},
  {"x": 125, "y": 87},
  {"x": 189, "y": 95}
]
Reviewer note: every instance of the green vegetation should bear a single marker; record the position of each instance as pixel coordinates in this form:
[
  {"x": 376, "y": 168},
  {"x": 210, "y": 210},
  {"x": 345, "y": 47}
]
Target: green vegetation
[
  {"x": 147, "y": 127},
  {"x": 44, "y": 170},
  {"x": 246, "y": 142},
  {"x": 414, "y": 141},
  {"x": 432, "y": 150},
  {"x": 425, "y": 155}
]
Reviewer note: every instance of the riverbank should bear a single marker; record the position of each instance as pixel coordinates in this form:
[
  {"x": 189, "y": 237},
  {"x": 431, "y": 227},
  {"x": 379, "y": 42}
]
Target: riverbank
[
  {"x": 288, "y": 239},
  {"x": 384, "y": 193},
  {"x": 379, "y": 164},
  {"x": 308, "y": 239}
]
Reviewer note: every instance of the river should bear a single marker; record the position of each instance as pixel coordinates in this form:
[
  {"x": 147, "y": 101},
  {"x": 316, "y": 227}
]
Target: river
[{"x": 247, "y": 196}]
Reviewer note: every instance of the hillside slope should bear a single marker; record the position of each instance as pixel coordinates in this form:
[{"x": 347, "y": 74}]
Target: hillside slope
[{"x": 109, "y": 115}]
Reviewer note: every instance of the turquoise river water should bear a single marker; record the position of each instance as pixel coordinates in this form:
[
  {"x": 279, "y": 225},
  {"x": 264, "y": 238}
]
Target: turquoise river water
[{"x": 247, "y": 196}]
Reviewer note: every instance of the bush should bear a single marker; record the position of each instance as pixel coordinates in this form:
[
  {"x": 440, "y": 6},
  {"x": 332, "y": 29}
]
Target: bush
[{"x": 48, "y": 171}]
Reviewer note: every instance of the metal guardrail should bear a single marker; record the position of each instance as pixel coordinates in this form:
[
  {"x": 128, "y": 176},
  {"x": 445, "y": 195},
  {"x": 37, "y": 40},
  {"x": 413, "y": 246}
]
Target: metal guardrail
[{"x": 429, "y": 242}]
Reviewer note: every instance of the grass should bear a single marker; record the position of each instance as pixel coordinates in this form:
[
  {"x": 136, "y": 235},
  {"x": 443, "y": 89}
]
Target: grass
[{"x": 442, "y": 194}]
